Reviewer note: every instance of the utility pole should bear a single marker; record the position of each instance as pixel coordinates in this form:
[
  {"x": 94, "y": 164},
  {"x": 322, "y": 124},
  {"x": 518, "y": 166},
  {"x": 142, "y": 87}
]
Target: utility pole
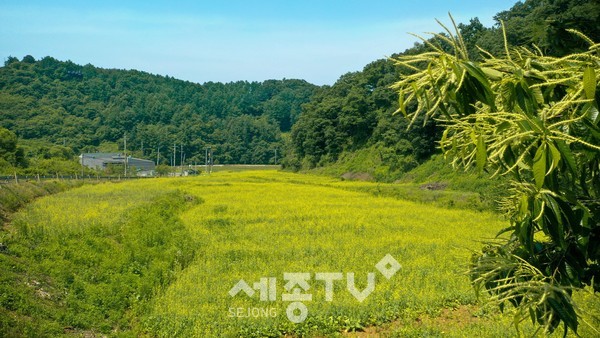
[
  {"x": 181, "y": 160},
  {"x": 157, "y": 155},
  {"x": 125, "y": 152},
  {"x": 210, "y": 159},
  {"x": 174, "y": 153},
  {"x": 275, "y": 156}
]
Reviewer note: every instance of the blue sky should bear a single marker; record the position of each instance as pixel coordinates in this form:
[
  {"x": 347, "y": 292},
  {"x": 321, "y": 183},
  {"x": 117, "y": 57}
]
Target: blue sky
[{"x": 224, "y": 41}]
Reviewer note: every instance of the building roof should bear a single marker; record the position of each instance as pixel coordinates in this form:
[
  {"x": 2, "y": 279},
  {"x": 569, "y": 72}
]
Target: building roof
[
  {"x": 102, "y": 155},
  {"x": 102, "y": 159}
]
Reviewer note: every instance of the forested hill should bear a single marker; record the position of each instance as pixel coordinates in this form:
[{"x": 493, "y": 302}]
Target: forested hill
[
  {"x": 350, "y": 126},
  {"x": 60, "y": 109},
  {"x": 51, "y": 104}
]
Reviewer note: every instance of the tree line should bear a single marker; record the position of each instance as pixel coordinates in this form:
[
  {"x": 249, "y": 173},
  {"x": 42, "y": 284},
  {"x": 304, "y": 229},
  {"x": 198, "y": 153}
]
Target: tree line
[{"x": 60, "y": 109}]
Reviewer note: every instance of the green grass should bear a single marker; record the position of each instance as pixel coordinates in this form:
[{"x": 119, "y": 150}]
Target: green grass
[
  {"x": 439, "y": 170},
  {"x": 373, "y": 163},
  {"x": 89, "y": 258},
  {"x": 451, "y": 188},
  {"x": 16, "y": 195},
  {"x": 158, "y": 257}
]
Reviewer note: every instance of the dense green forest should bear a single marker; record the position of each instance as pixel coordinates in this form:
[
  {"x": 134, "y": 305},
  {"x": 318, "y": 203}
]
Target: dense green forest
[
  {"x": 56, "y": 110},
  {"x": 350, "y": 126},
  {"x": 60, "y": 109}
]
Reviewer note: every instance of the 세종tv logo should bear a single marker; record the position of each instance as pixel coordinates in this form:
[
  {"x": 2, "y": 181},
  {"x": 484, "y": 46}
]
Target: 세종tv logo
[{"x": 297, "y": 286}]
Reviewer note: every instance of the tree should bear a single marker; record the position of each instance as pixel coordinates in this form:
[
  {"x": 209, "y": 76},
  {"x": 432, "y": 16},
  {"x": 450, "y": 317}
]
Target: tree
[
  {"x": 163, "y": 170},
  {"x": 28, "y": 59},
  {"x": 8, "y": 144},
  {"x": 10, "y": 60},
  {"x": 11, "y": 156},
  {"x": 471, "y": 33},
  {"x": 534, "y": 118},
  {"x": 546, "y": 24}
]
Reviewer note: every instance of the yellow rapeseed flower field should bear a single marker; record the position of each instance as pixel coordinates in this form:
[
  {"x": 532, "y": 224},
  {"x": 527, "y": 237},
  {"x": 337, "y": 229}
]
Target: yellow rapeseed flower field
[{"x": 261, "y": 229}]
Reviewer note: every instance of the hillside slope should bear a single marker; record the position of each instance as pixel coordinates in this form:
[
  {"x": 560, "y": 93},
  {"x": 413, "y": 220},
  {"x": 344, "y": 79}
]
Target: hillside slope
[{"x": 86, "y": 108}]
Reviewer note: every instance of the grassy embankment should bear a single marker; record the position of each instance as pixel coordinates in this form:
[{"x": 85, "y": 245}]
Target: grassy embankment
[
  {"x": 433, "y": 182},
  {"x": 14, "y": 196}
]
